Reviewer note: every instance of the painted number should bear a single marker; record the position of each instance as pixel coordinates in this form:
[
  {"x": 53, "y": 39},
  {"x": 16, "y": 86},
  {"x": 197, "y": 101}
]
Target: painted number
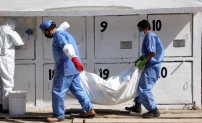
[
  {"x": 51, "y": 74},
  {"x": 156, "y": 25},
  {"x": 103, "y": 24},
  {"x": 164, "y": 72},
  {"x": 104, "y": 73}
]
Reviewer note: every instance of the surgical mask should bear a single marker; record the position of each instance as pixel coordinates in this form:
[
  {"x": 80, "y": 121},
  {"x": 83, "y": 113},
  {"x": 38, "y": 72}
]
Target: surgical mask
[
  {"x": 48, "y": 36},
  {"x": 141, "y": 34}
]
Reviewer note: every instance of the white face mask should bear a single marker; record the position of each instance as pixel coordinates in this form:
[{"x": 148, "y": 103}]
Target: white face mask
[{"x": 141, "y": 34}]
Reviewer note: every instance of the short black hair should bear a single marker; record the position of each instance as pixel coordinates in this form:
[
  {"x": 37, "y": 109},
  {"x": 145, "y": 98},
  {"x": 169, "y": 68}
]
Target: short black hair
[{"x": 144, "y": 24}]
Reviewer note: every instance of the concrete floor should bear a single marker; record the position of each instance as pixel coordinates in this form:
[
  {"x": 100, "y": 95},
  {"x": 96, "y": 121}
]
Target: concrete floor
[{"x": 110, "y": 116}]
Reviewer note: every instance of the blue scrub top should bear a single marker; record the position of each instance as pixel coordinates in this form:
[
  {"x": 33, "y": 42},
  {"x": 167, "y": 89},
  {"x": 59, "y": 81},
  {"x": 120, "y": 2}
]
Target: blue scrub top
[
  {"x": 152, "y": 43},
  {"x": 64, "y": 66}
]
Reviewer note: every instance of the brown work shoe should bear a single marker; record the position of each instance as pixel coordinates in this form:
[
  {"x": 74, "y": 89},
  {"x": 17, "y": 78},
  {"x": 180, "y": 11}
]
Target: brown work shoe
[
  {"x": 53, "y": 119},
  {"x": 89, "y": 114}
]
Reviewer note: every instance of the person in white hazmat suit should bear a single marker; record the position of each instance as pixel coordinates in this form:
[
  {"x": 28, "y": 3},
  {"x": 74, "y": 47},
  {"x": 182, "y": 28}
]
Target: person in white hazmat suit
[{"x": 9, "y": 38}]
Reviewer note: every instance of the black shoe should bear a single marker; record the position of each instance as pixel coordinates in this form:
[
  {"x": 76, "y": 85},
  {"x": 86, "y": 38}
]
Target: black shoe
[
  {"x": 136, "y": 108},
  {"x": 6, "y": 111},
  {"x": 1, "y": 108},
  {"x": 151, "y": 114}
]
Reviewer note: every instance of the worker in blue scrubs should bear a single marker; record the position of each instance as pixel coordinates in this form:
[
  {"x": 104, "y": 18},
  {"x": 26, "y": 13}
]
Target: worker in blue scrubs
[
  {"x": 67, "y": 68},
  {"x": 150, "y": 64}
]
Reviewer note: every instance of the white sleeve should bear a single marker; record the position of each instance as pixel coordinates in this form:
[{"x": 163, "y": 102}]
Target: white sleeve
[
  {"x": 68, "y": 49},
  {"x": 16, "y": 39}
]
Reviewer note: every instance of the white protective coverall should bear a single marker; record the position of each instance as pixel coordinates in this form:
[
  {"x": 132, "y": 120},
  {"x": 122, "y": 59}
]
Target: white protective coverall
[{"x": 8, "y": 40}]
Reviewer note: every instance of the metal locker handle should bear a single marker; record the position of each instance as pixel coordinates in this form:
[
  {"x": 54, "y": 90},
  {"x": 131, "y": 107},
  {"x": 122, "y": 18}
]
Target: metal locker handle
[
  {"x": 29, "y": 85},
  {"x": 101, "y": 36},
  {"x": 82, "y": 38}
]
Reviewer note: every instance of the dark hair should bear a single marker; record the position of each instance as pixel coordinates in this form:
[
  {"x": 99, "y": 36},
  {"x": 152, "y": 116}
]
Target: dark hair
[
  {"x": 52, "y": 26},
  {"x": 144, "y": 24}
]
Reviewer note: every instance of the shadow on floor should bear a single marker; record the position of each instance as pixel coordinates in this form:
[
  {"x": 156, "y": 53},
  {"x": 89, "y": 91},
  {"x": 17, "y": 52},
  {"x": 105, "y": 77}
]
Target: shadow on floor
[
  {"x": 29, "y": 117},
  {"x": 102, "y": 113}
]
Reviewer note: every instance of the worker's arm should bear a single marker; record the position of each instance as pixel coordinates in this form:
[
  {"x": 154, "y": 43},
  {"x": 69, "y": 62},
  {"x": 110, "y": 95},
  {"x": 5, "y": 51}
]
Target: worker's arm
[
  {"x": 145, "y": 60},
  {"x": 151, "y": 47},
  {"x": 149, "y": 57},
  {"x": 67, "y": 48},
  {"x": 16, "y": 39},
  {"x": 69, "y": 51}
]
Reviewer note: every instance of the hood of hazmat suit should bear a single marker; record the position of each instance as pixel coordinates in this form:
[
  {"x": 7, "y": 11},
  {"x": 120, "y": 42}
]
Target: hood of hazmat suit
[
  {"x": 11, "y": 23},
  {"x": 9, "y": 39}
]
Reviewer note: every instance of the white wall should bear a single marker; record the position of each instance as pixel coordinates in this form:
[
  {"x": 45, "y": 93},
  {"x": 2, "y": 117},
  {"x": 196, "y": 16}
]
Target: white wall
[{"x": 108, "y": 44}]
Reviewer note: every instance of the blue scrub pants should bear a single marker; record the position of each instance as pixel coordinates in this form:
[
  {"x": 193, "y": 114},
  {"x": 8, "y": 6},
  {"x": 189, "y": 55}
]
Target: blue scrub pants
[
  {"x": 147, "y": 81},
  {"x": 61, "y": 85}
]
